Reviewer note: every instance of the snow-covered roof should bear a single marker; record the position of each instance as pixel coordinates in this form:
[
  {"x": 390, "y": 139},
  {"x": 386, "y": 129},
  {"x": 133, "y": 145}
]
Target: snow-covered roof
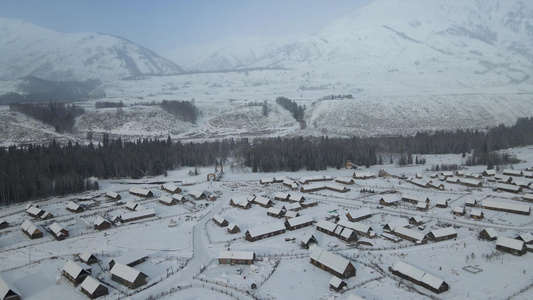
[
  {"x": 335, "y": 262},
  {"x": 512, "y": 172},
  {"x": 85, "y": 256},
  {"x": 73, "y": 269},
  {"x": 170, "y": 187},
  {"x": 306, "y": 237},
  {"x": 46, "y": 214},
  {"x": 29, "y": 227},
  {"x": 72, "y": 205},
  {"x": 56, "y": 228},
  {"x": 389, "y": 199},
  {"x": 419, "y": 182},
  {"x": 327, "y": 225},
  {"x": 281, "y": 195},
  {"x": 469, "y": 181},
  {"x": 526, "y": 237},
  {"x": 398, "y": 223},
  {"x": 259, "y": 231},
  {"x": 231, "y": 226},
  {"x": 459, "y": 209},
  {"x": 410, "y": 233},
  {"x": 131, "y": 205},
  {"x": 90, "y": 284},
  {"x": 292, "y": 206},
  {"x": 274, "y": 211},
  {"x": 408, "y": 270},
  {"x": 358, "y": 175},
  {"x": 5, "y": 288},
  {"x": 347, "y": 180},
  {"x": 361, "y": 213},
  {"x": 313, "y": 186},
  {"x": 417, "y": 198},
  {"x": 244, "y": 255},
  {"x": 266, "y": 180},
  {"x": 442, "y": 201},
  {"x": 262, "y": 200},
  {"x": 347, "y": 232},
  {"x": 507, "y": 206},
  {"x": 336, "y": 282},
  {"x": 491, "y": 232},
  {"x": 444, "y": 232},
  {"x": 490, "y": 172},
  {"x": 470, "y": 201},
  {"x": 125, "y": 272},
  {"x": 508, "y": 187},
  {"x": 432, "y": 281},
  {"x": 111, "y": 194},
  {"x": 417, "y": 219},
  {"x": 139, "y": 191},
  {"x": 335, "y": 187},
  {"x": 296, "y": 198},
  {"x": 476, "y": 212},
  {"x": 177, "y": 197},
  {"x": 291, "y": 214},
  {"x": 218, "y": 218},
  {"x": 166, "y": 199},
  {"x": 359, "y": 227},
  {"x": 196, "y": 194},
  {"x": 137, "y": 214},
  {"x": 510, "y": 243},
  {"x": 422, "y": 205},
  {"x": 34, "y": 210},
  {"x": 299, "y": 220}
]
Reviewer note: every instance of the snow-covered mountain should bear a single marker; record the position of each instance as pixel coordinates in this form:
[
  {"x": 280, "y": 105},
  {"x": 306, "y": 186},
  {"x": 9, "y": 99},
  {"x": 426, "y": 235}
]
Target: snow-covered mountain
[
  {"x": 420, "y": 42},
  {"x": 226, "y": 54},
  {"x": 30, "y": 50}
]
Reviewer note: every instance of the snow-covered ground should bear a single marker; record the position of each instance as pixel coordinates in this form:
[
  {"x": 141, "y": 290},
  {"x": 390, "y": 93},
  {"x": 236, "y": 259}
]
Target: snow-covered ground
[{"x": 182, "y": 260}]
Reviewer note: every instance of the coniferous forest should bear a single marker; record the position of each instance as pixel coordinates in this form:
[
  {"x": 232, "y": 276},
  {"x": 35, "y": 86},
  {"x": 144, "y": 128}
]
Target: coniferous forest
[{"x": 40, "y": 171}]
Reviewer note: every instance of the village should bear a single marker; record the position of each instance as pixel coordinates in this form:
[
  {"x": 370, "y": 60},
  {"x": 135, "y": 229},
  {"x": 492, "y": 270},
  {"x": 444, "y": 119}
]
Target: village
[{"x": 384, "y": 232}]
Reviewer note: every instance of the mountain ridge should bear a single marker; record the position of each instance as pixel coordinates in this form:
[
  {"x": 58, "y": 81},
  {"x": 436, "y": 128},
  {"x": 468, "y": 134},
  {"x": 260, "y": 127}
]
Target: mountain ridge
[{"x": 30, "y": 50}]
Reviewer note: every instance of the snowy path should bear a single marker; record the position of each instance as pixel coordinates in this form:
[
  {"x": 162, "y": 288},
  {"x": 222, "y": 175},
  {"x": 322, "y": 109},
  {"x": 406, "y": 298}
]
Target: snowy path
[{"x": 200, "y": 258}]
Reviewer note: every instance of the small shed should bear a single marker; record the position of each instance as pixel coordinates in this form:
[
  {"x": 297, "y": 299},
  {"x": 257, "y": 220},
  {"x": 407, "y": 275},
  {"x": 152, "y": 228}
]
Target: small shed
[
  {"x": 476, "y": 214},
  {"x": 470, "y": 201},
  {"x": 263, "y": 201},
  {"x": 74, "y": 272},
  {"x": 87, "y": 258},
  {"x": 128, "y": 276},
  {"x": 337, "y": 284},
  {"x": 220, "y": 221},
  {"x": 47, "y": 216},
  {"x": 31, "y": 230},
  {"x": 307, "y": 240},
  {"x": 58, "y": 231},
  {"x": 168, "y": 201},
  {"x": 389, "y": 200},
  {"x": 93, "y": 288},
  {"x": 459, "y": 211},
  {"x": 171, "y": 188},
  {"x": 35, "y": 212},
  {"x": 74, "y": 207},
  {"x": 488, "y": 234},
  {"x": 348, "y": 235},
  {"x": 442, "y": 203},
  {"x": 527, "y": 238},
  {"x": 416, "y": 220},
  {"x": 291, "y": 214},
  {"x": 113, "y": 195},
  {"x": 232, "y": 228},
  {"x": 101, "y": 223},
  {"x": 275, "y": 212},
  {"x": 236, "y": 257}
]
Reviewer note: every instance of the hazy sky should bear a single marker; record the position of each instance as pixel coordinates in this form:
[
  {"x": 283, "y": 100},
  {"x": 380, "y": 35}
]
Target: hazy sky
[{"x": 164, "y": 25}]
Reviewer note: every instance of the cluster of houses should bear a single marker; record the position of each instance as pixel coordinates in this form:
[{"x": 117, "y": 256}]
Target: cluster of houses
[
  {"x": 35, "y": 212},
  {"x": 518, "y": 246},
  {"x": 79, "y": 274}
]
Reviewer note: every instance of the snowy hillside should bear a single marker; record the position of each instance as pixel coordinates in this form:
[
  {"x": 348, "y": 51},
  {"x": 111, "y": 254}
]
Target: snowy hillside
[
  {"x": 31, "y": 50},
  {"x": 420, "y": 43}
]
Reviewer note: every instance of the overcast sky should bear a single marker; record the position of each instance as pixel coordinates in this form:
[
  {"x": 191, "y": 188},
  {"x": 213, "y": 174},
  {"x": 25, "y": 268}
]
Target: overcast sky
[{"x": 164, "y": 25}]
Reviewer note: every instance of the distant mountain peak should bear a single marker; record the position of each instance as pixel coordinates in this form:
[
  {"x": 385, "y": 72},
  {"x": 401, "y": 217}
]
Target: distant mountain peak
[{"x": 30, "y": 50}]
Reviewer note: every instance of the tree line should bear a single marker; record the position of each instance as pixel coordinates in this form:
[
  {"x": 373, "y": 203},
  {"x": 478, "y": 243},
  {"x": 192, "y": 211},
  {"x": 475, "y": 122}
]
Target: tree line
[
  {"x": 60, "y": 115},
  {"x": 40, "y": 171}
]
